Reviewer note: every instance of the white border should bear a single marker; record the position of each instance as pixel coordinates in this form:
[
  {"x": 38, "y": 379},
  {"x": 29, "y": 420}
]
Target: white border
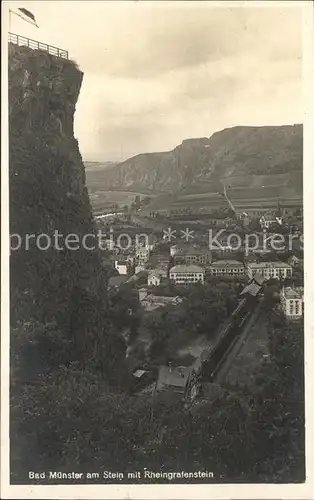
[{"x": 175, "y": 491}]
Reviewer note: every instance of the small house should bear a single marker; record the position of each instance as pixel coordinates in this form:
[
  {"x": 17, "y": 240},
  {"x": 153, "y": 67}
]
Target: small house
[
  {"x": 181, "y": 380},
  {"x": 156, "y": 276},
  {"x": 122, "y": 266}
]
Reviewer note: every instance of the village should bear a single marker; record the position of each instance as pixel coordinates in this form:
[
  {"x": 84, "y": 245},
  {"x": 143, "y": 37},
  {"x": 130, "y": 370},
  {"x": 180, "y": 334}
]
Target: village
[{"x": 161, "y": 271}]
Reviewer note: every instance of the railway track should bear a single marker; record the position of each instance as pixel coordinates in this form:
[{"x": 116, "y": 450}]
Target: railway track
[
  {"x": 225, "y": 356},
  {"x": 214, "y": 359},
  {"x": 236, "y": 346}
]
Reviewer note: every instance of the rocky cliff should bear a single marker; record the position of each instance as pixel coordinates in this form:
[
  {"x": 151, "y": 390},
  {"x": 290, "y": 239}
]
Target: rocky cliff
[
  {"x": 56, "y": 282},
  {"x": 241, "y": 156}
]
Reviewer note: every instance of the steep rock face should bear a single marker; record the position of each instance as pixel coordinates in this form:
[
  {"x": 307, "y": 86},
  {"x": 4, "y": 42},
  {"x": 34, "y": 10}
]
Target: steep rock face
[
  {"x": 247, "y": 156},
  {"x": 158, "y": 172},
  {"x": 52, "y": 281}
]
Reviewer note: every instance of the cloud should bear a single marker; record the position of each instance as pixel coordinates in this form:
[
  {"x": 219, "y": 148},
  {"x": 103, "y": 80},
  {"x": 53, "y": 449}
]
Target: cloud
[{"x": 156, "y": 73}]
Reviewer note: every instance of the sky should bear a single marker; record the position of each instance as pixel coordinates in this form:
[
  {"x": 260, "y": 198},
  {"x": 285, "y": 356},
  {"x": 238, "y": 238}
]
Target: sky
[{"x": 156, "y": 73}]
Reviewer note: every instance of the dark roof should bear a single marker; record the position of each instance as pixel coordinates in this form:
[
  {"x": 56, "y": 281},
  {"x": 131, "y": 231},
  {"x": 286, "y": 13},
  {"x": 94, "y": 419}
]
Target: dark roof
[
  {"x": 251, "y": 289},
  {"x": 186, "y": 268},
  {"x": 258, "y": 278},
  {"x": 159, "y": 273},
  {"x": 160, "y": 256},
  {"x": 185, "y": 248},
  {"x": 138, "y": 276},
  {"x": 227, "y": 263},
  {"x": 173, "y": 376}
]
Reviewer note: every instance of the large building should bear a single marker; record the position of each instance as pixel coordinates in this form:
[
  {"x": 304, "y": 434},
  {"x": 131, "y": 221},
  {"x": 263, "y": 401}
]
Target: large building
[
  {"x": 150, "y": 302},
  {"x": 227, "y": 268},
  {"x": 182, "y": 274},
  {"x": 190, "y": 254},
  {"x": 292, "y": 301},
  {"x": 278, "y": 270},
  {"x": 142, "y": 254}
]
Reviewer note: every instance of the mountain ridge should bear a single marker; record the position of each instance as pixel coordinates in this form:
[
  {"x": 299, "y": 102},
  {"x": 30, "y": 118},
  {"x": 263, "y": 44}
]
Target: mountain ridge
[{"x": 234, "y": 153}]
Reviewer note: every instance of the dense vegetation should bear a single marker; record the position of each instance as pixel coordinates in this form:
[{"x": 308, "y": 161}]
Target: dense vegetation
[
  {"x": 157, "y": 335},
  {"x": 69, "y": 418},
  {"x": 204, "y": 307}
]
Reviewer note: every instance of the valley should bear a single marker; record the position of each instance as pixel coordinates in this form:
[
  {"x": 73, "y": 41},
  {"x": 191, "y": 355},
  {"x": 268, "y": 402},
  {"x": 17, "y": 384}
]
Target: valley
[{"x": 244, "y": 159}]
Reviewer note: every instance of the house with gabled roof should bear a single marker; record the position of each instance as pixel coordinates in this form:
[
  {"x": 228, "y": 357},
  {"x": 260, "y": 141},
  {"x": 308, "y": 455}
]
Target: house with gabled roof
[
  {"x": 156, "y": 276},
  {"x": 292, "y": 301}
]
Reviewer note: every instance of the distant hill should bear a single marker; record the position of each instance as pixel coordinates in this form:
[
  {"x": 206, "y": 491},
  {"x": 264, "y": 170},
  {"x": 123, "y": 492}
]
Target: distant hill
[
  {"x": 95, "y": 173},
  {"x": 244, "y": 158},
  {"x": 91, "y": 165}
]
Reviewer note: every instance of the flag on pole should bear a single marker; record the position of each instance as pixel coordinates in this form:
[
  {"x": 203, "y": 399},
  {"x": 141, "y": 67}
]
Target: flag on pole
[{"x": 26, "y": 15}]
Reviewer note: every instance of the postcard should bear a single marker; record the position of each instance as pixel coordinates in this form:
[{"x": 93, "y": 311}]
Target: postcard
[{"x": 157, "y": 236}]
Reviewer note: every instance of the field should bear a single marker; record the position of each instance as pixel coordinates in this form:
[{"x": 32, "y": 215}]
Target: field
[
  {"x": 253, "y": 192},
  {"x": 102, "y": 201}
]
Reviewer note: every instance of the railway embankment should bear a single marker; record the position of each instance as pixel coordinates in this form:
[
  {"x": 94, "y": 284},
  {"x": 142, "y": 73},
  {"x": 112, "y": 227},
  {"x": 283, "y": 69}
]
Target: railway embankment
[{"x": 245, "y": 353}]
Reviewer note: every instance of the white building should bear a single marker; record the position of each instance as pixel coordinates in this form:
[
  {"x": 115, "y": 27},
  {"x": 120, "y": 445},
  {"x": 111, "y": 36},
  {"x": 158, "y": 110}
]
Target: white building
[
  {"x": 156, "y": 276},
  {"x": 292, "y": 301},
  {"x": 227, "y": 268},
  {"x": 173, "y": 250},
  {"x": 279, "y": 270},
  {"x": 187, "y": 274},
  {"x": 266, "y": 221},
  {"x": 121, "y": 266}
]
